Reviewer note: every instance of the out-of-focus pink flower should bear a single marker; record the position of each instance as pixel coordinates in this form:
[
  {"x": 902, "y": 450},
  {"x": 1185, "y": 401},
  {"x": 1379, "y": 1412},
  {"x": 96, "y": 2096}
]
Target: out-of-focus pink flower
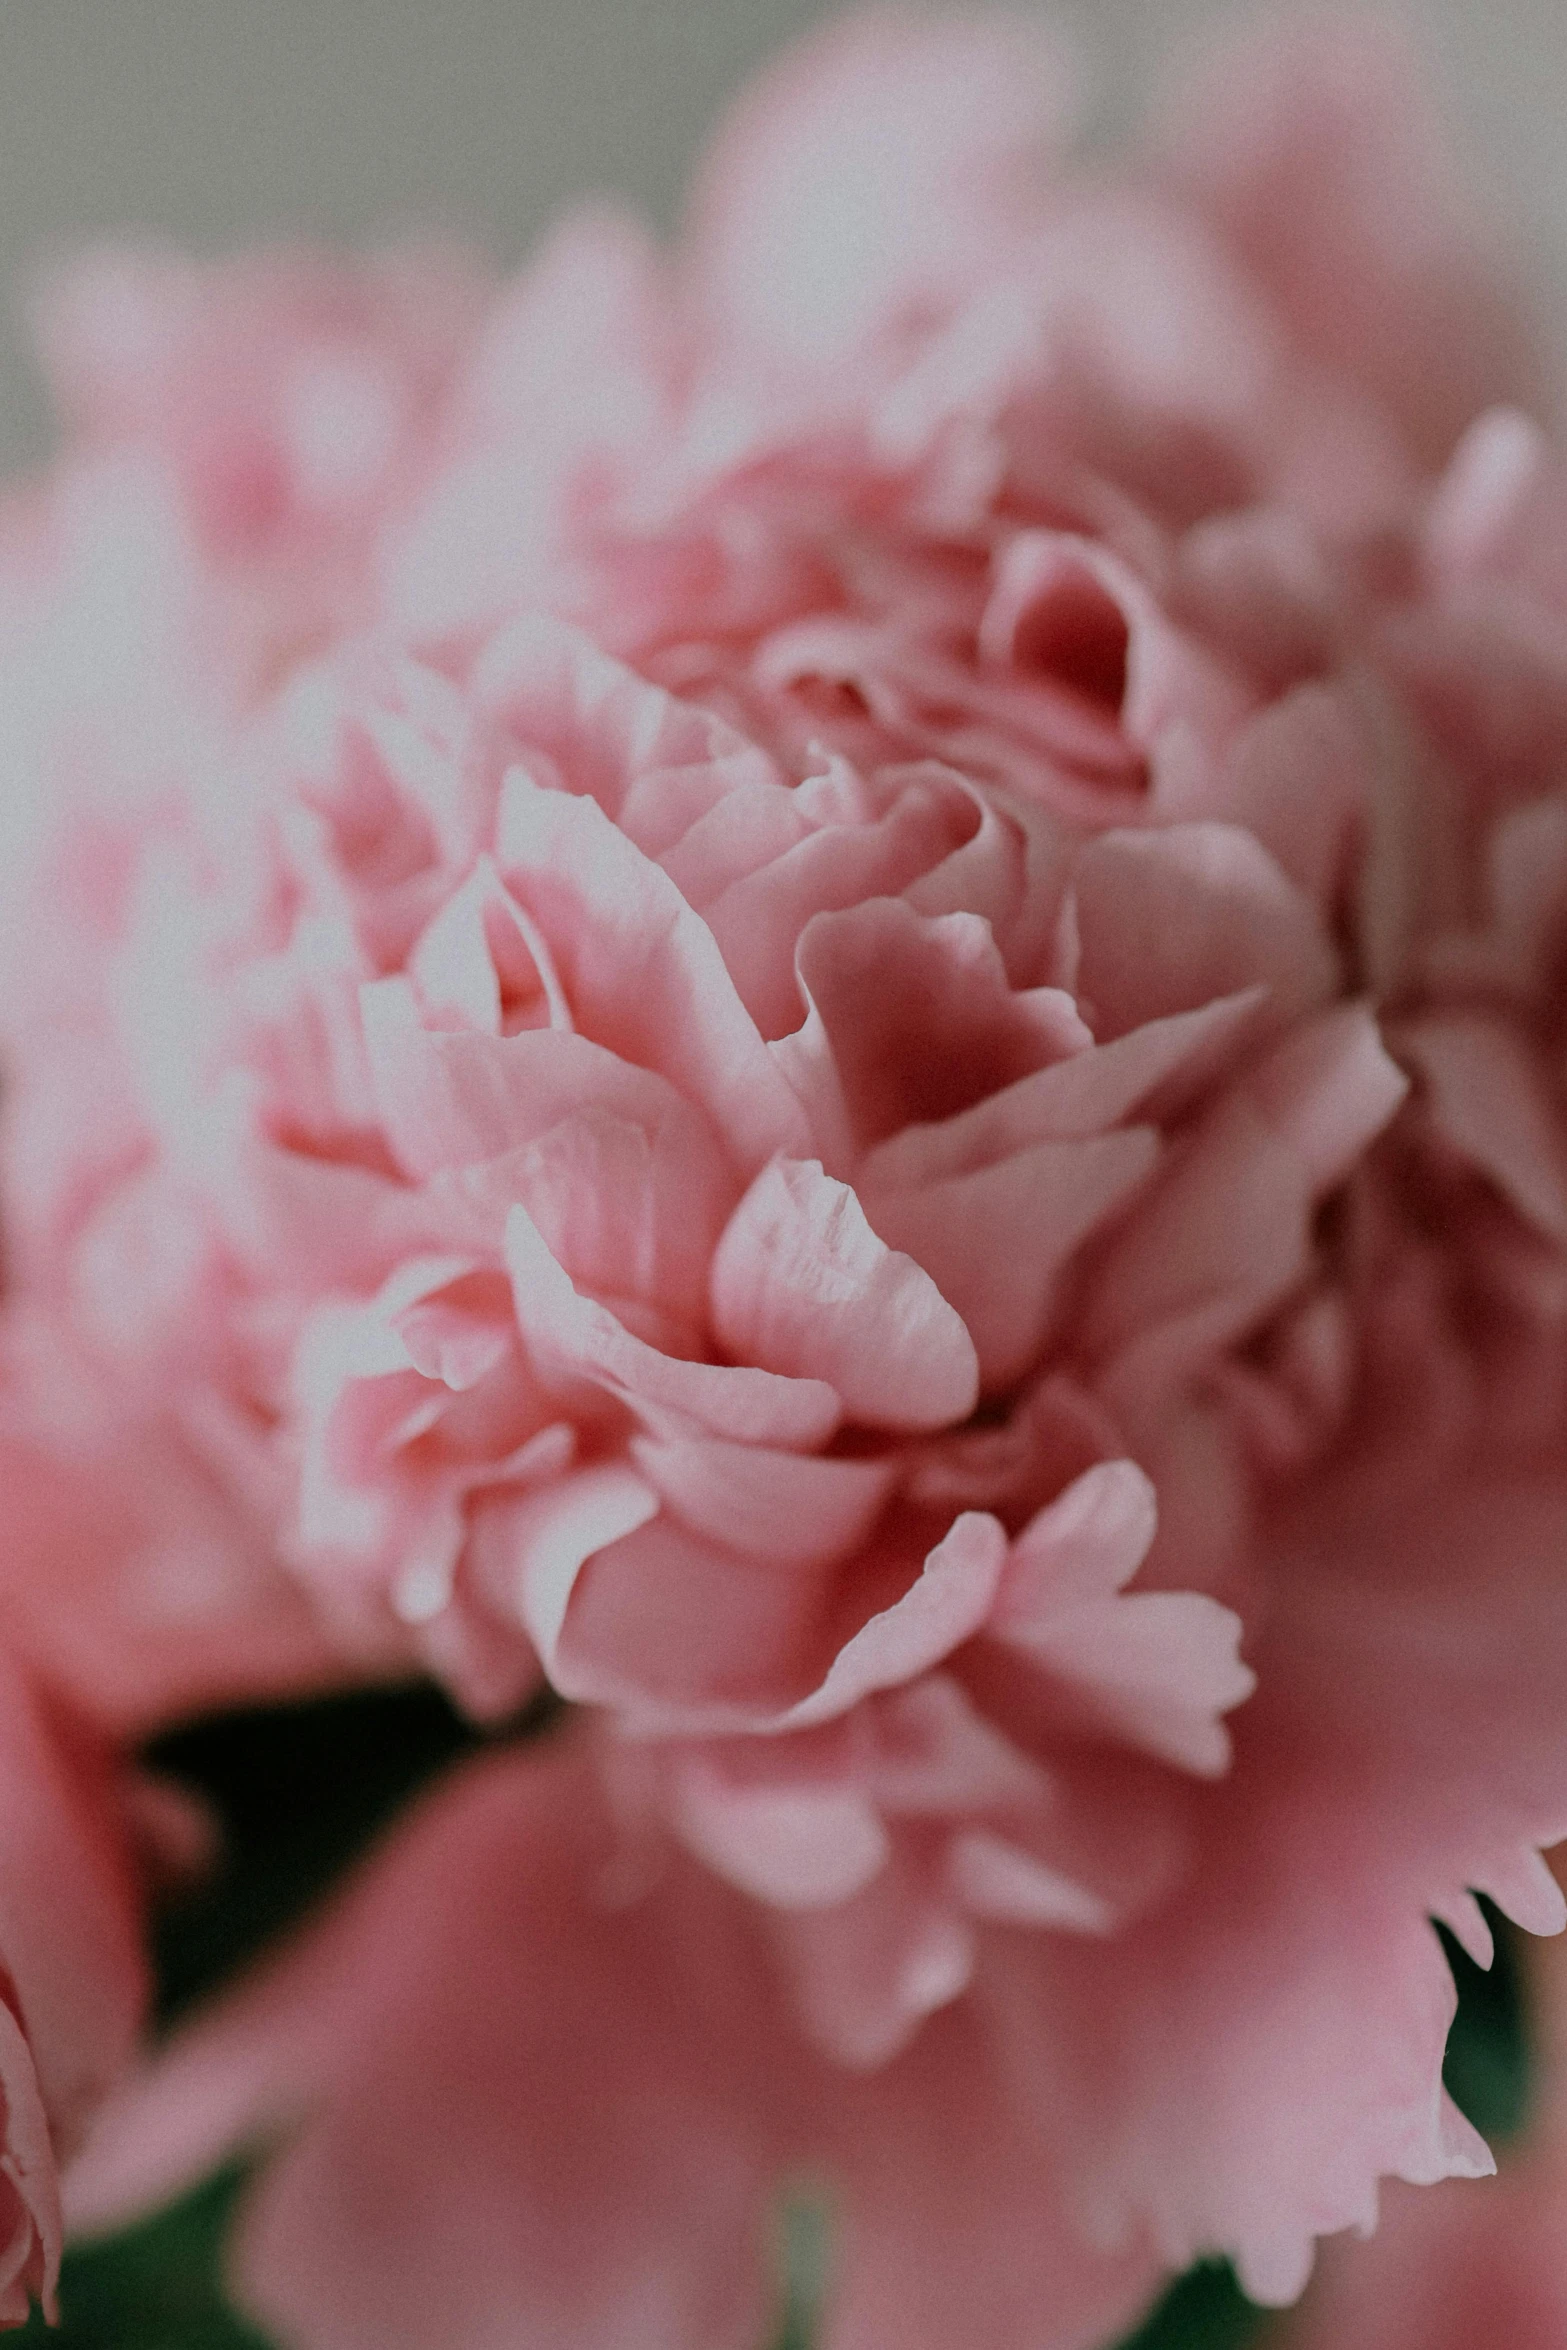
[
  {"x": 583, "y": 2128},
  {"x": 1319, "y": 155},
  {"x": 879, "y": 1065},
  {"x": 241, "y": 436},
  {"x": 139, "y": 1575},
  {"x": 287, "y": 402},
  {"x": 71, "y": 1975}
]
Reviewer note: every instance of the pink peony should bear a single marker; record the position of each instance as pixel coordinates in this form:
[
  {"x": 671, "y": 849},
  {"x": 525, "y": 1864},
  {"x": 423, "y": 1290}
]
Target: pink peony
[{"x": 846, "y": 1028}]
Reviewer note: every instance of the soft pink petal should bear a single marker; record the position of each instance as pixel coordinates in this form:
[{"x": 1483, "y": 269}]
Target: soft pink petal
[
  {"x": 632, "y": 1212},
  {"x": 134, "y": 1576},
  {"x": 949, "y": 2145},
  {"x": 1450, "y": 2266},
  {"x": 449, "y": 1098},
  {"x": 914, "y": 1017},
  {"x": 1155, "y": 1071},
  {"x": 1296, "y": 777},
  {"x": 581, "y": 2130},
  {"x": 1065, "y": 610},
  {"x": 1169, "y": 920},
  {"x": 575, "y": 1342},
  {"x": 694, "y": 1635},
  {"x": 1496, "y": 513},
  {"x": 1489, "y": 1099},
  {"x": 640, "y": 970},
  {"x": 784, "y": 1505},
  {"x": 1084, "y": 1547},
  {"x": 996, "y": 1241},
  {"x": 1320, "y": 155},
  {"x": 551, "y": 1535},
  {"x": 758, "y": 916},
  {"x": 1158, "y": 1668},
  {"x": 868, "y": 174},
  {"x": 568, "y": 373},
  {"x": 1274, "y": 2053},
  {"x": 950, "y": 1600},
  {"x": 1225, "y": 1233},
  {"x": 481, "y": 961},
  {"x": 870, "y": 1970},
  {"x": 603, "y": 729},
  {"x": 801, "y": 1284},
  {"x": 538, "y": 2138},
  {"x": 794, "y": 1846}
]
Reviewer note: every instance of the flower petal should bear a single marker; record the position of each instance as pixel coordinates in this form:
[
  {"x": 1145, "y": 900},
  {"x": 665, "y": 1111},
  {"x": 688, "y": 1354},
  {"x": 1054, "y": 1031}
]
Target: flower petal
[{"x": 802, "y": 1285}]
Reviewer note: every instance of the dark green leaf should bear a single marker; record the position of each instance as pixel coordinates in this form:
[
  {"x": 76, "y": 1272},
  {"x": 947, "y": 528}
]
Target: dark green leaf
[
  {"x": 1487, "y": 2063},
  {"x": 1206, "y": 2310}
]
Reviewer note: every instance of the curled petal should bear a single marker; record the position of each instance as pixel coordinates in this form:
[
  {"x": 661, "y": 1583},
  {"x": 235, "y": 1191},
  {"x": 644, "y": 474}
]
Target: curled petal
[
  {"x": 575, "y": 1342},
  {"x": 801, "y": 1284}
]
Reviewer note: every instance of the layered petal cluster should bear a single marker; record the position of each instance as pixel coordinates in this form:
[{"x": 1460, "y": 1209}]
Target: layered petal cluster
[
  {"x": 840, "y": 1019},
  {"x": 474, "y": 1208}
]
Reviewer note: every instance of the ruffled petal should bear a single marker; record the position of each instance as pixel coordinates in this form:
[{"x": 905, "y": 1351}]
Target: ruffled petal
[
  {"x": 997, "y": 1240},
  {"x": 1158, "y": 1668},
  {"x": 801, "y": 1284},
  {"x": 1273, "y": 2052},
  {"x": 640, "y": 970},
  {"x": 574, "y": 1342}
]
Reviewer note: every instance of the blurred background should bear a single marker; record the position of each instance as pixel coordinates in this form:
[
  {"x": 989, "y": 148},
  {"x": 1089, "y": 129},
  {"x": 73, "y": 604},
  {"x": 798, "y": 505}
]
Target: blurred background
[{"x": 218, "y": 122}]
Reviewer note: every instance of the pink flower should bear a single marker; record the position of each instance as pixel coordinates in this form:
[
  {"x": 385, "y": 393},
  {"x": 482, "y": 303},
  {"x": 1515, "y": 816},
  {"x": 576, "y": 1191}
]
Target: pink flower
[
  {"x": 581, "y": 2131},
  {"x": 71, "y": 1976},
  {"x": 242, "y": 434},
  {"x": 850, "y": 1032},
  {"x": 484, "y": 1212},
  {"x": 284, "y": 399},
  {"x": 139, "y": 1574},
  {"x": 1237, "y": 2067}
]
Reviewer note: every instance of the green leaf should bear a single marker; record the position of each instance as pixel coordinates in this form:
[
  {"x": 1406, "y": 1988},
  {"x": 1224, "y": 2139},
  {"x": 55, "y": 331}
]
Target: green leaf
[
  {"x": 1486, "y": 2067},
  {"x": 1205, "y": 2310},
  {"x": 804, "y": 2256}
]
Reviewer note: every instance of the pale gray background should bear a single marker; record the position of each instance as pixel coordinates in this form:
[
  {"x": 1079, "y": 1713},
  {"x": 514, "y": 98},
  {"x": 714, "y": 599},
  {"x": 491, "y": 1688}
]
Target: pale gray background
[{"x": 218, "y": 122}]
